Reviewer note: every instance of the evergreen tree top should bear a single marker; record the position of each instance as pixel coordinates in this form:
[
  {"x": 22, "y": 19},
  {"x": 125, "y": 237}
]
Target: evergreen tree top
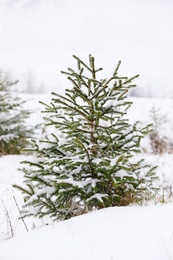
[{"x": 90, "y": 86}]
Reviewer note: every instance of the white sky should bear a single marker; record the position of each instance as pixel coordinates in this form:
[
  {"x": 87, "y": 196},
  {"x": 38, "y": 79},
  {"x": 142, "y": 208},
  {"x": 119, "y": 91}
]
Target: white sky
[{"x": 41, "y": 36}]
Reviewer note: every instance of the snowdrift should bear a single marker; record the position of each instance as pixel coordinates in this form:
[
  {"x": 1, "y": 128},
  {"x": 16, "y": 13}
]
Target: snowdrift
[{"x": 118, "y": 233}]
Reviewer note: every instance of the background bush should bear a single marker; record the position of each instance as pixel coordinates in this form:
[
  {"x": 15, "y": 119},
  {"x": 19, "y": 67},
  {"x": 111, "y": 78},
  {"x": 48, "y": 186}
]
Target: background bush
[{"x": 14, "y": 130}]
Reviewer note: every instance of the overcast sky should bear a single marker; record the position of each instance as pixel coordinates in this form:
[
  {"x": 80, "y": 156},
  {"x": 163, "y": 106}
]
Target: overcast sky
[{"x": 40, "y": 36}]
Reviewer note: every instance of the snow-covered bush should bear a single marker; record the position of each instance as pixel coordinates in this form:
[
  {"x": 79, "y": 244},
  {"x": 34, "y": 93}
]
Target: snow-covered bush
[
  {"x": 89, "y": 162},
  {"x": 13, "y": 128}
]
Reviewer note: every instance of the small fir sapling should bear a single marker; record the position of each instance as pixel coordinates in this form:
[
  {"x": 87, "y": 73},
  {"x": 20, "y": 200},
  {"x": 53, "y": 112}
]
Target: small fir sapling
[
  {"x": 89, "y": 161},
  {"x": 14, "y": 131}
]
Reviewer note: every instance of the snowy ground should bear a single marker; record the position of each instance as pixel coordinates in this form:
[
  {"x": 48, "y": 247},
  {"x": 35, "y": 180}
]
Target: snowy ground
[{"x": 131, "y": 233}]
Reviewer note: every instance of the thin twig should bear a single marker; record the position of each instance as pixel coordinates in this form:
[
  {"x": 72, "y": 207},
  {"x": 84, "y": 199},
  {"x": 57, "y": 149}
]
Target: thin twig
[
  {"x": 8, "y": 219},
  {"x": 20, "y": 212}
]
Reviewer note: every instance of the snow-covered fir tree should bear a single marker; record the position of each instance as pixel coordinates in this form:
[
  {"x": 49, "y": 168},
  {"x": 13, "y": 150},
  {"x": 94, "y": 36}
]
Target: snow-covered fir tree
[
  {"x": 13, "y": 128},
  {"x": 89, "y": 162}
]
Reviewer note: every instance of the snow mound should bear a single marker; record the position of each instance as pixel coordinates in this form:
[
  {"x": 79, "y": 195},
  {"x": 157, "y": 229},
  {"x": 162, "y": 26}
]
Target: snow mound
[{"x": 119, "y": 233}]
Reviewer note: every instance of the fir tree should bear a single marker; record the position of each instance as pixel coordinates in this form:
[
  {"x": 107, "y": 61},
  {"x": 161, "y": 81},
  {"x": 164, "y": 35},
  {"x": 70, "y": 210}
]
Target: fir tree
[
  {"x": 13, "y": 129},
  {"x": 89, "y": 161}
]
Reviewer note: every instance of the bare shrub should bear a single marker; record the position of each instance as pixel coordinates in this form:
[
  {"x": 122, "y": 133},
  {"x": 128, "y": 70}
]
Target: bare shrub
[{"x": 159, "y": 142}]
